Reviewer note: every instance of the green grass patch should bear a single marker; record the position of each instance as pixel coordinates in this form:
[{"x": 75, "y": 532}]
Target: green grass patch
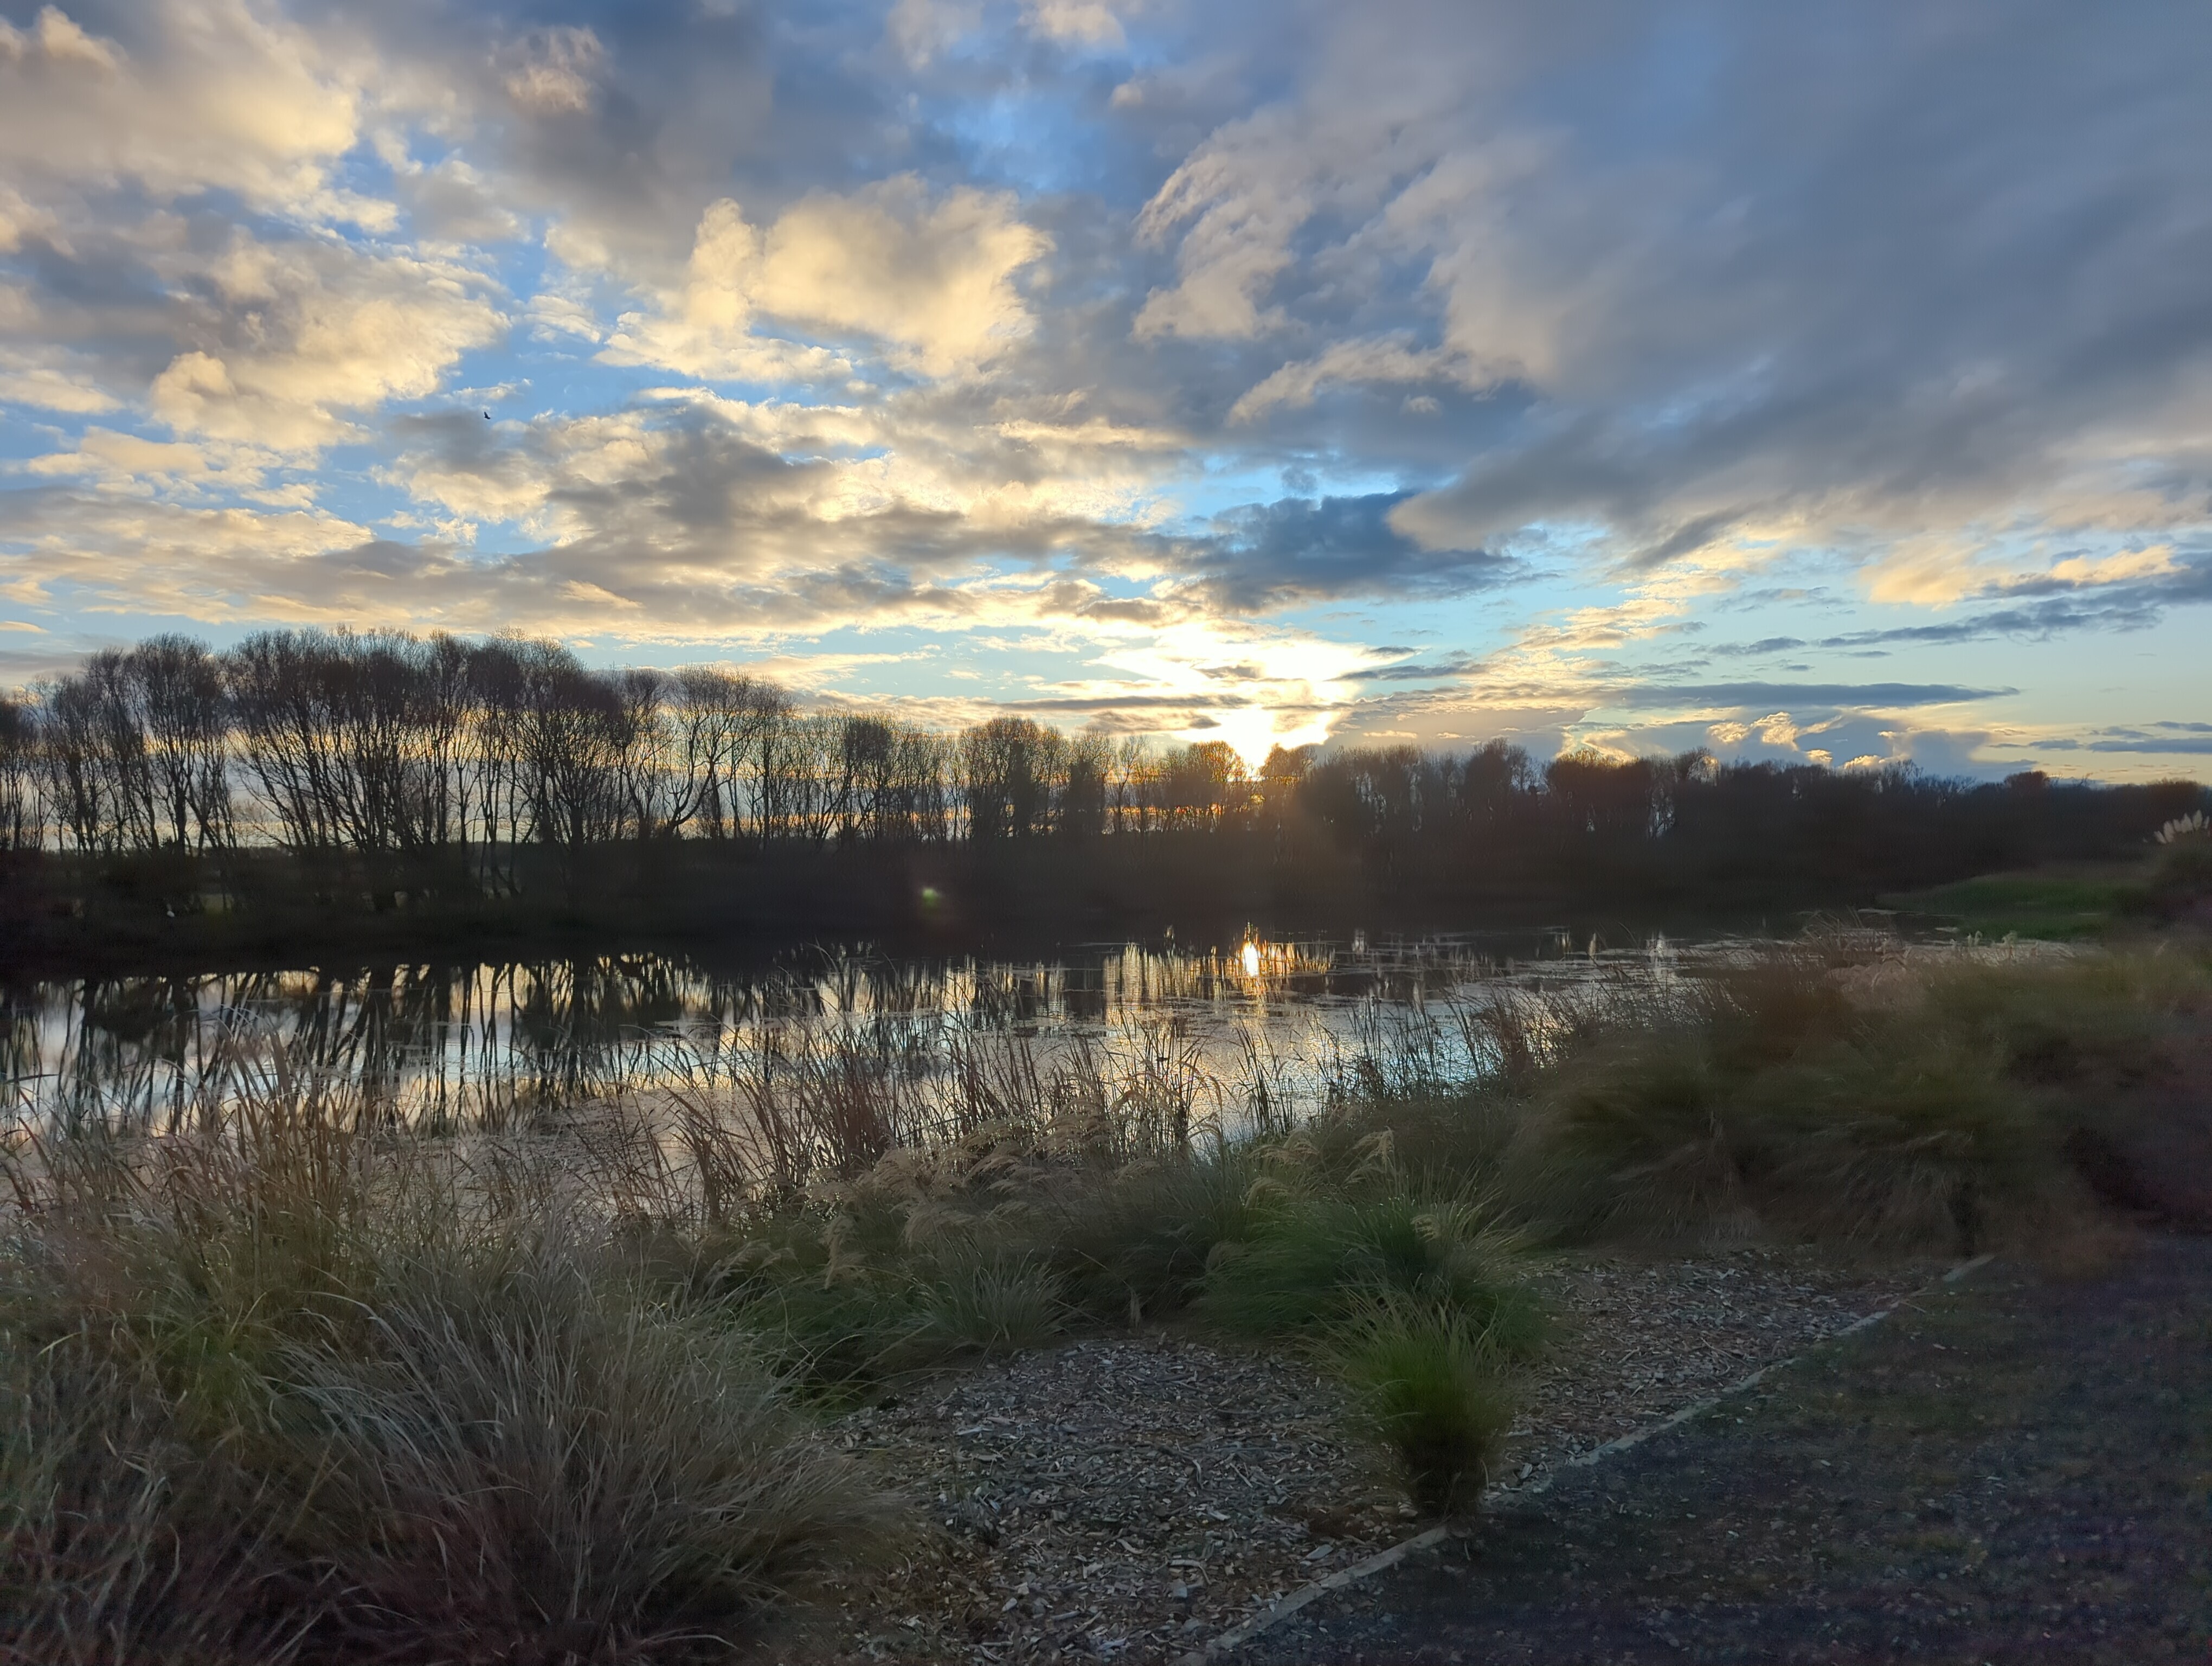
[{"x": 2065, "y": 907}]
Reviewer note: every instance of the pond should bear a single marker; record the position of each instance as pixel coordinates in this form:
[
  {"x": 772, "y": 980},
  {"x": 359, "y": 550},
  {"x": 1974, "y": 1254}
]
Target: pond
[{"x": 1253, "y": 1028}]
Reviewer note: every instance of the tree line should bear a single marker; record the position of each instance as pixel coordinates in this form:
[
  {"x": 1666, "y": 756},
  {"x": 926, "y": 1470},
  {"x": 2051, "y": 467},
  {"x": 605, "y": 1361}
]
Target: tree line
[
  {"x": 385, "y": 743},
  {"x": 473, "y": 761}
]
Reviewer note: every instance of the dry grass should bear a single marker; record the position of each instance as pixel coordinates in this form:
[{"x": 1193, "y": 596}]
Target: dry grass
[
  {"x": 1927, "y": 1111},
  {"x": 530, "y": 1462},
  {"x": 288, "y": 1385}
]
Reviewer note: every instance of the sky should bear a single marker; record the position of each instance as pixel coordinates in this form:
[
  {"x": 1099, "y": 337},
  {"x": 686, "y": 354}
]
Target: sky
[{"x": 1829, "y": 381}]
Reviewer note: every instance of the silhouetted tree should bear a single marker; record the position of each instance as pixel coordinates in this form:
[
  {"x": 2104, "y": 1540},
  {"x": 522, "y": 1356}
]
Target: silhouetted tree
[
  {"x": 23, "y": 809},
  {"x": 481, "y": 765},
  {"x": 1011, "y": 770}
]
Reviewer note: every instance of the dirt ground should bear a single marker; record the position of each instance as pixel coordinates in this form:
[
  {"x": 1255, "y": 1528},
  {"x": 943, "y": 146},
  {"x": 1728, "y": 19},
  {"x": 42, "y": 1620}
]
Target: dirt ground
[{"x": 2016, "y": 1469}]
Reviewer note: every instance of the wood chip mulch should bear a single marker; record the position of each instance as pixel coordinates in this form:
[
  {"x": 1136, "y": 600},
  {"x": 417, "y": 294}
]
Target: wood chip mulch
[{"x": 1125, "y": 1499}]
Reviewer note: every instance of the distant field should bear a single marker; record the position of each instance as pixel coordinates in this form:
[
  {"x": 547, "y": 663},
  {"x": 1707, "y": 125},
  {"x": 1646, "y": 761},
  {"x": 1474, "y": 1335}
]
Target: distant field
[{"x": 2059, "y": 906}]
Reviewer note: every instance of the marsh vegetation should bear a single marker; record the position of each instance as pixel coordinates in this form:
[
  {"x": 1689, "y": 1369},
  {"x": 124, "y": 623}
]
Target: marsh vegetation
[{"x": 289, "y": 1377}]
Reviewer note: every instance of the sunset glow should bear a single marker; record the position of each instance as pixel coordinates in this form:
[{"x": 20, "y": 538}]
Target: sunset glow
[{"x": 1415, "y": 374}]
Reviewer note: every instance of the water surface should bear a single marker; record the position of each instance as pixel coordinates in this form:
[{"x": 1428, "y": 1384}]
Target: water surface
[{"x": 496, "y": 1040}]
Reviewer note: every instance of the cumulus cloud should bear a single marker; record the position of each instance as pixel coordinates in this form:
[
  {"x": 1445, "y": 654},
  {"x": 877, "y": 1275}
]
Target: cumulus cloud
[
  {"x": 204, "y": 94},
  {"x": 931, "y": 278},
  {"x": 299, "y": 333}
]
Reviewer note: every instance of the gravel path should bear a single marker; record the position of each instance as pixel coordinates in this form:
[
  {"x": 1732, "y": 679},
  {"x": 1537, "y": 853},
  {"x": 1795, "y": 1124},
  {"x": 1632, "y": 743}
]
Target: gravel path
[
  {"x": 2014, "y": 1470},
  {"x": 1126, "y": 1498}
]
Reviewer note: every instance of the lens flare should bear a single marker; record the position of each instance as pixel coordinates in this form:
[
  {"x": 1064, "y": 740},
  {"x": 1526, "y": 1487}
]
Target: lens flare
[{"x": 1251, "y": 960}]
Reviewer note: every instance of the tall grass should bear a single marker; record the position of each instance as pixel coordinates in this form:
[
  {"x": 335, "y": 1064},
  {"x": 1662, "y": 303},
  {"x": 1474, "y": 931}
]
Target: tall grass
[
  {"x": 1304, "y": 1261},
  {"x": 126, "y": 1539},
  {"x": 527, "y": 1460},
  {"x": 289, "y": 1385},
  {"x": 1835, "y": 1093},
  {"x": 1931, "y": 1111}
]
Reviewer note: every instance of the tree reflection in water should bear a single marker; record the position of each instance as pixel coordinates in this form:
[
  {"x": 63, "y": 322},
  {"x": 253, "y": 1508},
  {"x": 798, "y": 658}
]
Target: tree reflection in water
[{"x": 492, "y": 1043}]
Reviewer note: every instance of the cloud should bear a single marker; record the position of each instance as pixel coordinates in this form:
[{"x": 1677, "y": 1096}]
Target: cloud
[
  {"x": 1371, "y": 360},
  {"x": 1794, "y": 695},
  {"x": 1741, "y": 298},
  {"x": 1241, "y": 221},
  {"x": 554, "y": 71},
  {"x": 2184, "y": 745},
  {"x": 1076, "y": 22},
  {"x": 299, "y": 333},
  {"x": 52, "y": 387},
  {"x": 1576, "y": 337},
  {"x": 1271, "y": 556},
  {"x": 201, "y": 94},
  {"x": 127, "y": 459},
  {"x": 933, "y": 279},
  {"x": 452, "y": 203},
  {"x": 923, "y": 29}
]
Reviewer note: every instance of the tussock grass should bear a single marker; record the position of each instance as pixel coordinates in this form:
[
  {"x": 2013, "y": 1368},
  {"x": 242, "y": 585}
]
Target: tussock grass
[
  {"x": 1929, "y": 1112},
  {"x": 1431, "y": 1387},
  {"x": 996, "y": 1305},
  {"x": 526, "y": 1452},
  {"x": 124, "y": 1541},
  {"x": 1306, "y": 1261},
  {"x": 291, "y": 1386}
]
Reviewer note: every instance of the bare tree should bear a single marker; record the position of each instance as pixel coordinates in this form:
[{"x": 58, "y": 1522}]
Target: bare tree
[
  {"x": 576, "y": 740},
  {"x": 22, "y": 803},
  {"x": 184, "y": 714},
  {"x": 1011, "y": 769}
]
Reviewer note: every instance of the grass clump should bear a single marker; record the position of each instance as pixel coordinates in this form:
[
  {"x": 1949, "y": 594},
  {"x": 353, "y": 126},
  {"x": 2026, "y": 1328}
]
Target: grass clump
[
  {"x": 1306, "y": 1261},
  {"x": 286, "y": 1387},
  {"x": 527, "y": 1452},
  {"x": 995, "y": 1304},
  {"x": 124, "y": 1541},
  {"x": 1932, "y": 1111},
  {"x": 1432, "y": 1388}
]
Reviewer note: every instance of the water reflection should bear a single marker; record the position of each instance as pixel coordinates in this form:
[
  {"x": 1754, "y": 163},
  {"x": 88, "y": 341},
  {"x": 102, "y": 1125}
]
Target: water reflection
[{"x": 494, "y": 1042}]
